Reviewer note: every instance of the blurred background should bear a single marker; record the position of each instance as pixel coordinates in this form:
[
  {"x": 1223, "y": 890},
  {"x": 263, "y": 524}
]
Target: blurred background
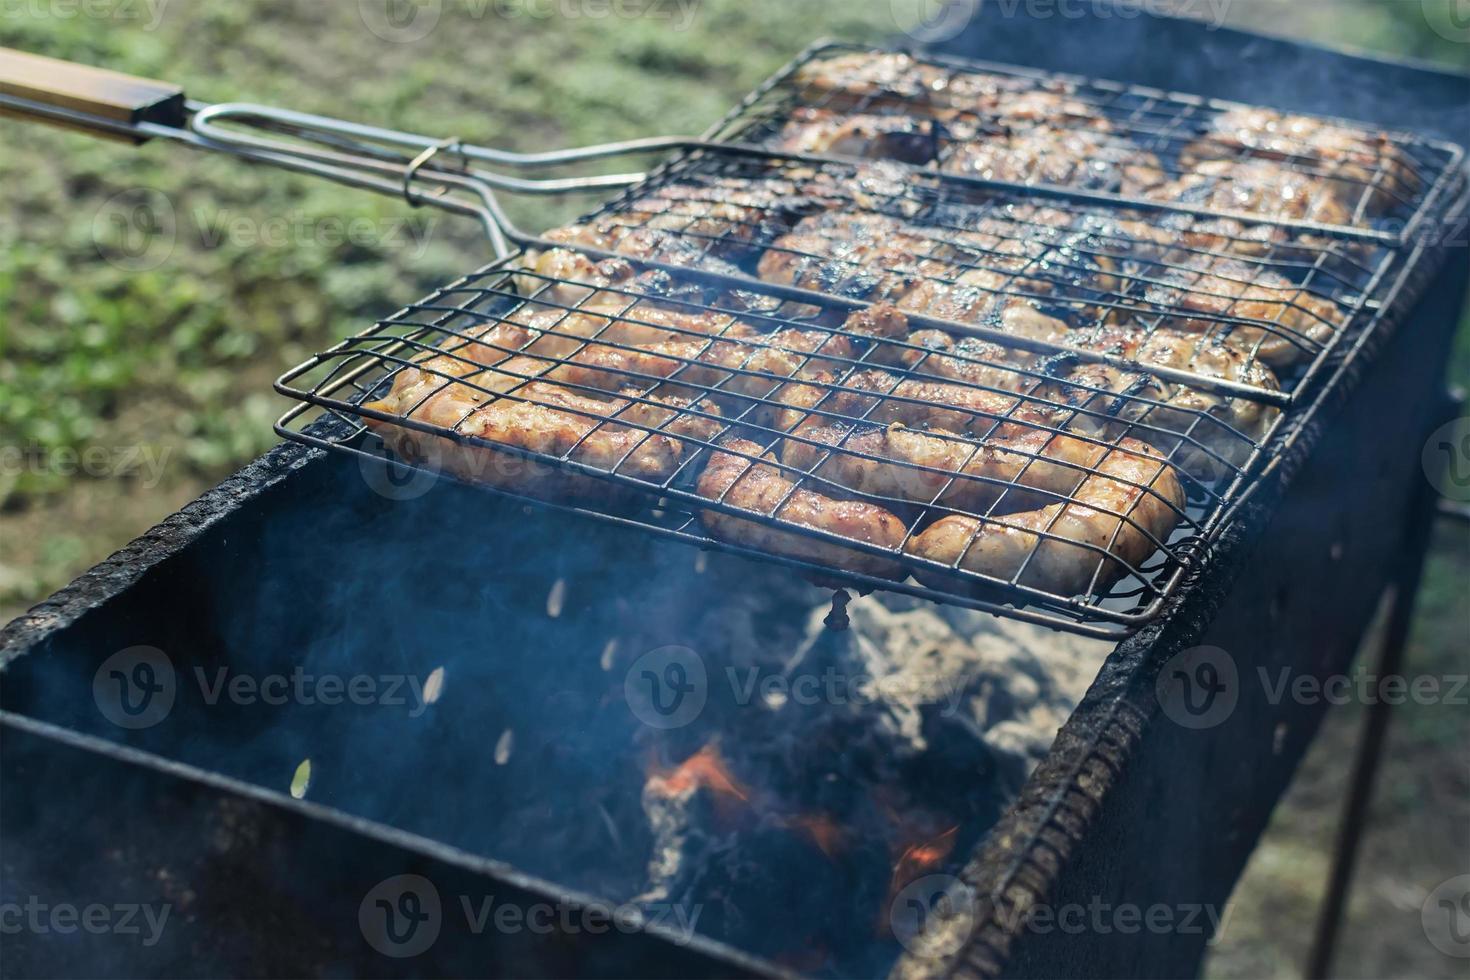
[{"x": 132, "y": 379}]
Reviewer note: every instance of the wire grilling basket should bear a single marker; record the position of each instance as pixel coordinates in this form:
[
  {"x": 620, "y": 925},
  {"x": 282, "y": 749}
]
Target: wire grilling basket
[
  {"x": 350, "y": 376},
  {"x": 1183, "y": 334},
  {"x": 836, "y": 333}
]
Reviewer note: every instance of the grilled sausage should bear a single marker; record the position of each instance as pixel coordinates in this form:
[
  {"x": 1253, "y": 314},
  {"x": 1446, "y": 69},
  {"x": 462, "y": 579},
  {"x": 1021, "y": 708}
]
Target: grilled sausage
[
  {"x": 762, "y": 488},
  {"x": 1116, "y": 518}
]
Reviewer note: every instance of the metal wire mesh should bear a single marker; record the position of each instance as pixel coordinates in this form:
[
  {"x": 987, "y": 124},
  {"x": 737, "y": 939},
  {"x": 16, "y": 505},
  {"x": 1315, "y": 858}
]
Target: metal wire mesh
[
  {"x": 994, "y": 123},
  {"x": 1035, "y": 406},
  {"x": 1016, "y": 428},
  {"x": 1181, "y": 287}
]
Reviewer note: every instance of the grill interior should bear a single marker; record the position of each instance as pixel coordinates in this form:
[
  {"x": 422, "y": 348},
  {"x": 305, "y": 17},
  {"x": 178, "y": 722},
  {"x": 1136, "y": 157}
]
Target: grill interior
[{"x": 1168, "y": 334}]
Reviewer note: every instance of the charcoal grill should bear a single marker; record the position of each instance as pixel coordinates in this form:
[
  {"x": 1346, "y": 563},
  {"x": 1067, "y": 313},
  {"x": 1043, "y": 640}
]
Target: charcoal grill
[{"x": 1084, "y": 824}]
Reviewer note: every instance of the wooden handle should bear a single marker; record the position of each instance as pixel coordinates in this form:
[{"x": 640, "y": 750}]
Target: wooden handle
[{"x": 107, "y": 95}]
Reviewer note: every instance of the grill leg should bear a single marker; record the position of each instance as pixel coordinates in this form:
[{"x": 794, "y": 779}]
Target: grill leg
[{"x": 1405, "y": 587}]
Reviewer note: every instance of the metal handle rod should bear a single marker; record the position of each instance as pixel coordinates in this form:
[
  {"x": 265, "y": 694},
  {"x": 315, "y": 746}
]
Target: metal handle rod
[
  {"x": 487, "y": 209},
  {"x": 369, "y": 141},
  {"x": 112, "y": 105}
]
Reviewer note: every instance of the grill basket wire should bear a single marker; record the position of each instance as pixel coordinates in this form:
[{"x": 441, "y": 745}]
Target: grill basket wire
[
  {"x": 1412, "y": 172},
  {"x": 1067, "y": 262},
  {"x": 1344, "y": 271},
  {"x": 458, "y": 316}
]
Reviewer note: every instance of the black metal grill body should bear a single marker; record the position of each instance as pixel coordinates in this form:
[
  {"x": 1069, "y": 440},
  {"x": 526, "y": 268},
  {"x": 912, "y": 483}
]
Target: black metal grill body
[{"x": 1128, "y": 807}]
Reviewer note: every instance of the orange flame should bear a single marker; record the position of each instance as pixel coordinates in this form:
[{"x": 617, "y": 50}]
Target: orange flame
[
  {"x": 703, "y": 769},
  {"x": 917, "y": 859},
  {"x": 824, "y": 832}
]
